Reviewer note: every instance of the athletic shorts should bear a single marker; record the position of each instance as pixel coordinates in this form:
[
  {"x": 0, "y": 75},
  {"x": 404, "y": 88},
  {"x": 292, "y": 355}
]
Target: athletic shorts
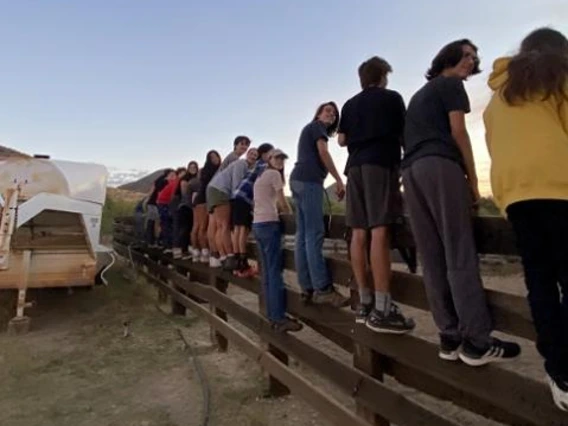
[
  {"x": 241, "y": 213},
  {"x": 373, "y": 196},
  {"x": 215, "y": 197}
]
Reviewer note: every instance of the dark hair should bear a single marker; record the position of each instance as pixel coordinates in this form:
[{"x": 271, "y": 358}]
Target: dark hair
[
  {"x": 180, "y": 169},
  {"x": 450, "y": 55},
  {"x": 373, "y": 71},
  {"x": 240, "y": 139},
  {"x": 192, "y": 163},
  {"x": 540, "y": 68},
  {"x": 332, "y": 128},
  {"x": 166, "y": 172},
  {"x": 264, "y": 148},
  {"x": 209, "y": 168}
]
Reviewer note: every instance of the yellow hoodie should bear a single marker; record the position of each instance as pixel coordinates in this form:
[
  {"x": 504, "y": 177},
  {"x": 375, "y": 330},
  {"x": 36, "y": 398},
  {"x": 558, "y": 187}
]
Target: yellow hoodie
[{"x": 528, "y": 146}]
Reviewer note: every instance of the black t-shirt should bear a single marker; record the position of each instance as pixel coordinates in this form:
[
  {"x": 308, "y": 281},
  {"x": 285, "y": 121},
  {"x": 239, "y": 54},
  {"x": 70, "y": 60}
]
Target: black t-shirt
[
  {"x": 159, "y": 184},
  {"x": 373, "y": 124},
  {"x": 427, "y": 130},
  {"x": 309, "y": 167}
]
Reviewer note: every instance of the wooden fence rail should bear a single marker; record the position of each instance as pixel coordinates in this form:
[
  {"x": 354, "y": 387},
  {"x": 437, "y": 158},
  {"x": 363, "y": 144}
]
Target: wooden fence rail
[{"x": 491, "y": 391}]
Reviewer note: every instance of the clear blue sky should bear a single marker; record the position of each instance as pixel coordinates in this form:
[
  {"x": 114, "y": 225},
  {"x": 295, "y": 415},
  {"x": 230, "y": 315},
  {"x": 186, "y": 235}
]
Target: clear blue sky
[{"x": 147, "y": 84}]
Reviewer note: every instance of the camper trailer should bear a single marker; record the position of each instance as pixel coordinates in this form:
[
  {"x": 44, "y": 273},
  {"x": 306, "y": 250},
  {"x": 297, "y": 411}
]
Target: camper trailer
[{"x": 50, "y": 220}]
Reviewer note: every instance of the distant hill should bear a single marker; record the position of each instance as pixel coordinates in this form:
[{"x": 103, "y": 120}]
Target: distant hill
[
  {"x": 9, "y": 152},
  {"x": 142, "y": 185}
]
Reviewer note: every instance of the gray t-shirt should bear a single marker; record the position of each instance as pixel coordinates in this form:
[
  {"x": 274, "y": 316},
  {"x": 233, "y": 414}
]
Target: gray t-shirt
[
  {"x": 427, "y": 130},
  {"x": 229, "y": 159},
  {"x": 228, "y": 179},
  {"x": 309, "y": 167}
]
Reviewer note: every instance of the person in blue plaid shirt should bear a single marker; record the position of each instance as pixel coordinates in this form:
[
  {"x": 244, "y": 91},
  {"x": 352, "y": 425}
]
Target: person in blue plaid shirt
[{"x": 241, "y": 209}]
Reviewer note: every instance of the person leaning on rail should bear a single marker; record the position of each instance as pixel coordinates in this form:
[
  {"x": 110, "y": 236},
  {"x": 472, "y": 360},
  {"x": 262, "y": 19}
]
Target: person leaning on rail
[
  {"x": 313, "y": 163},
  {"x": 526, "y": 125},
  {"x": 440, "y": 187},
  {"x": 371, "y": 127}
]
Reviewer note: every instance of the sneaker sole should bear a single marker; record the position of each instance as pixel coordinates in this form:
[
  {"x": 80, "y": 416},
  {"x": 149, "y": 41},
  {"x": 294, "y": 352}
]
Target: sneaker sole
[
  {"x": 449, "y": 356},
  {"x": 387, "y": 330},
  {"x": 560, "y": 404},
  {"x": 360, "y": 320},
  {"x": 483, "y": 361}
]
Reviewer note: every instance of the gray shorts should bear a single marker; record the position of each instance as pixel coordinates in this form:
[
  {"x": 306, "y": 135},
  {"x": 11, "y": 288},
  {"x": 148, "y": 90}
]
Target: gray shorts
[
  {"x": 373, "y": 196},
  {"x": 216, "y": 197}
]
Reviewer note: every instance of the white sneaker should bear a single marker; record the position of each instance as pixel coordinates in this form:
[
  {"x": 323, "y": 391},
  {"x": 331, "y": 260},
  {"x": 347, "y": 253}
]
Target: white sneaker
[
  {"x": 176, "y": 253},
  {"x": 195, "y": 255},
  {"x": 204, "y": 256},
  {"x": 214, "y": 262},
  {"x": 168, "y": 251},
  {"x": 559, "y": 396}
]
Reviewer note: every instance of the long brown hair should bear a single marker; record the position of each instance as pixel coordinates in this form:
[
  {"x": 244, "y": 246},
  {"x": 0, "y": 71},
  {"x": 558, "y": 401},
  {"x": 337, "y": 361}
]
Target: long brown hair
[{"x": 539, "y": 69}]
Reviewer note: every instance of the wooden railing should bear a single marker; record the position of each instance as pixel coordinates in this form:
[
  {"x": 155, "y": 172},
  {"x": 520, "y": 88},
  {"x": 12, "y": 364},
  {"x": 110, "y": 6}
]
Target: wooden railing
[{"x": 491, "y": 391}]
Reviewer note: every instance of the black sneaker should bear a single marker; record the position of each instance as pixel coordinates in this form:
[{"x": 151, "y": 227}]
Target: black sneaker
[
  {"x": 559, "y": 389},
  {"x": 287, "y": 325},
  {"x": 230, "y": 263},
  {"x": 362, "y": 312},
  {"x": 332, "y": 298},
  {"x": 449, "y": 348},
  {"x": 307, "y": 297},
  {"x": 393, "y": 323},
  {"x": 498, "y": 351}
]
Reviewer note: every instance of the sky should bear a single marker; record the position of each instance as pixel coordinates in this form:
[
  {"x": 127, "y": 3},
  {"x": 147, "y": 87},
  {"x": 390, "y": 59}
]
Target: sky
[{"x": 147, "y": 84}]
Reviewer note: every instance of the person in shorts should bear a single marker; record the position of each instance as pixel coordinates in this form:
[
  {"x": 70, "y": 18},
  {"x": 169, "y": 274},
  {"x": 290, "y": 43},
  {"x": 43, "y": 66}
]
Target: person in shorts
[
  {"x": 219, "y": 194},
  {"x": 241, "y": 211},
  {"x": 371, "y": 127}
]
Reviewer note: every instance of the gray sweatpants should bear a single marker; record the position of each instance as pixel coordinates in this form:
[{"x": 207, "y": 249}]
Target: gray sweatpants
[{"x": 438, "y": 200}]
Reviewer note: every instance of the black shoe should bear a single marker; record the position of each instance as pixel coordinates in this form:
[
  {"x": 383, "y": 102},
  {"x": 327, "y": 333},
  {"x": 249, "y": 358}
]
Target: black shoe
[
  {"x": 307, "y": 296},
  {"x": 559, "y": 389},
  {"x": 230, "y": 263},
  {"x": 393, "y": 323},
  {"x": 449, "y": 348},
  {"x": 287, "y": 325},
  {"x": 332, "y": 298},
  {"x": 496, "y": 351},
  {"x": 362, "y": 312}
]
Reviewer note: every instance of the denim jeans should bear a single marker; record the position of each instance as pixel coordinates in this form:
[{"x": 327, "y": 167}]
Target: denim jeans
[
  {"x": 268, "y": 237},
  {"x": 166, "y": 226},
  {"x": 310, "y": 263},
  {"x": 541, "y": 227}
]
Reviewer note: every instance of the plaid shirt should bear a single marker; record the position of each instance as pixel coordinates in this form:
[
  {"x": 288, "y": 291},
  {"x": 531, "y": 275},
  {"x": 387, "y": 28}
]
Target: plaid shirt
[{"x": 245, "y": 189}]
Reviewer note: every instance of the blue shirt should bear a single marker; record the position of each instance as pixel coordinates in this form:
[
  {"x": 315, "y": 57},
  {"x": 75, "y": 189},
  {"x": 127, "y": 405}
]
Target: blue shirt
[
  {"x": 244, "y": 190},
  {"x": 309, "y": 167}
]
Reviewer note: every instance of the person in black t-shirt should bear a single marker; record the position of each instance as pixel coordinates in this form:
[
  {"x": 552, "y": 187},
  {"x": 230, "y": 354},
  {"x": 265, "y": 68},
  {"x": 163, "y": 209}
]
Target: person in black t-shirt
[
  {"x": 440, "y": 186},
  {"x": 371, "y": 128}
]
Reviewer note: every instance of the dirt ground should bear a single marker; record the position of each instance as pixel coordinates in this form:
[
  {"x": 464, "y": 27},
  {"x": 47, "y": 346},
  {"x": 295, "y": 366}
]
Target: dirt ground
[{"x": 75, "y": 367}]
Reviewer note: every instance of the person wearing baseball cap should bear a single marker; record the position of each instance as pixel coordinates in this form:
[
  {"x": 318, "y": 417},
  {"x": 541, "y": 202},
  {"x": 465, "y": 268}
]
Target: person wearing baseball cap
[{"x": 268, "y": 200}]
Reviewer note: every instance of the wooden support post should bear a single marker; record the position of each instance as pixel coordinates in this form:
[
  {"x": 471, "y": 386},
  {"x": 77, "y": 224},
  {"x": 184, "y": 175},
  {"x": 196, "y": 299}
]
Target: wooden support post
[
  {"x": 369, "y": 362},
  {"x": 20, "y": 324},
  {"x": 176, "y": 307},
  {"x": 162, "y": 295},
  {"x": 216, "y": 338},
  {"x": 273, "y": 387}
]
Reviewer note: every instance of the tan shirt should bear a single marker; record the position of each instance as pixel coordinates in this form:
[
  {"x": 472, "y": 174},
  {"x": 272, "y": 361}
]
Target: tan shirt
[{"x": 266, "y": 190}]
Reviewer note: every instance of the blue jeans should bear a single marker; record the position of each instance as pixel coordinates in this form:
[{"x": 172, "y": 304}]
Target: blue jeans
[
  {"x": 310, "y": 263},
  {"x": 269, "y": 239},
  {"x": 166, "y": 226}
]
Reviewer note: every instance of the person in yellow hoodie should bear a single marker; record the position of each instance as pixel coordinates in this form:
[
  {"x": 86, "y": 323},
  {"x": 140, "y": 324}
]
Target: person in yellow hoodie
[{"x": 527, "y": 137}]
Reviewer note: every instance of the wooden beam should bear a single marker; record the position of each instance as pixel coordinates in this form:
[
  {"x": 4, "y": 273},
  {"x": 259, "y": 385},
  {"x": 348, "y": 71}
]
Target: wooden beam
[{"x": 368, "y": 391}]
